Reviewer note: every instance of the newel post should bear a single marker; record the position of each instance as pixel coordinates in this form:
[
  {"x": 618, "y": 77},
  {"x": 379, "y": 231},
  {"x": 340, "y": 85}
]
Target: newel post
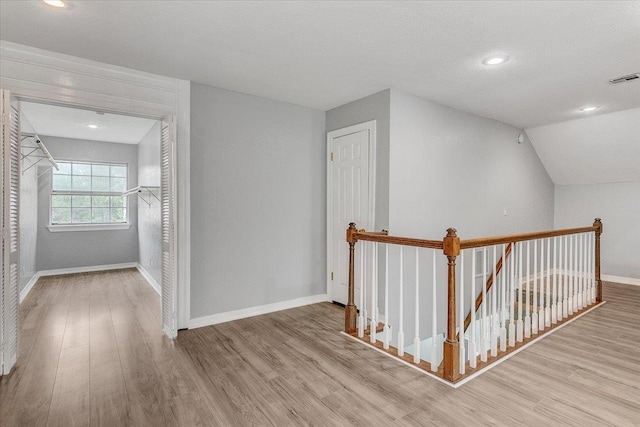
[
  {"x": 451, "y": 350},
  {"x": 350, "y": 310},
  {"x": 598, "y": 224}
]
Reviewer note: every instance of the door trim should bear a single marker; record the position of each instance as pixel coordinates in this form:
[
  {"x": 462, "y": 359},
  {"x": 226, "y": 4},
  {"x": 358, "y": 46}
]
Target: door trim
[{"x": 371, "y": 127}]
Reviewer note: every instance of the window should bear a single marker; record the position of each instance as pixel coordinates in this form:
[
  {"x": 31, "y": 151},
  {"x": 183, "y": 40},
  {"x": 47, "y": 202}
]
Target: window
[{"x": 89, "y": 193}]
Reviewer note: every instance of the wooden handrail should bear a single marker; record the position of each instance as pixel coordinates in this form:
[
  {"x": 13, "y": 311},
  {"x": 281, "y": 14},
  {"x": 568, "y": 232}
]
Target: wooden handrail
[
  {"x": 488, "y": 285},
  {"x": 497, "y": 240},
  {"x": 383, "y": 237}
]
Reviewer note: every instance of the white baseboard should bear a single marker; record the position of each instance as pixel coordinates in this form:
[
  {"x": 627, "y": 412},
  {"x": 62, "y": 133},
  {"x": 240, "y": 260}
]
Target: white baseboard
[
  {"x": 27, "y": 289},
  {"x": 156, "y": 287},
  {"x": 619, "y": 279},
  {"x": 228, "y": 316},
  {"x": 89, "y": 269}
]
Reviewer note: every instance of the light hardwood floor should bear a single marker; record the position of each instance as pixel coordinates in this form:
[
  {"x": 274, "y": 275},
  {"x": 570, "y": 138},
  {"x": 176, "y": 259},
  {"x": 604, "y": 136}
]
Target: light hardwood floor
[{"x": 93, "y": 353}]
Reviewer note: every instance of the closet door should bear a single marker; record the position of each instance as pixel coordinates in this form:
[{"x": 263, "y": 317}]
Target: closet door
[
  {"x": 168, "y": 191},
  {"x": 10, "y": 228}
]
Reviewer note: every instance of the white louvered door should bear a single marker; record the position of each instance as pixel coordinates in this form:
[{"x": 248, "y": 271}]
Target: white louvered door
[
  {"x": 168, "y": 191},
  {"x": 10, "y": 227}
]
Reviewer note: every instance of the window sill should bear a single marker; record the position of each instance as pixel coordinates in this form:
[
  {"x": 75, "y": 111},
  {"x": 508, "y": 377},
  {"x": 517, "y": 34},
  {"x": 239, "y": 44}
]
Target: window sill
[{"x": 87, "y": 227}]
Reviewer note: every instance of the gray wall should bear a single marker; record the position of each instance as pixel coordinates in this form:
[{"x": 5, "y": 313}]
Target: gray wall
[
  {"x": 619, "y": 207},
  {"x": 373, "y": 107},
  {"x": 28, "y": 225},
  {"x": 449, "y": 168},
  {"x": 149, "y": 221},
  {"x": 258, "y": 191},
  {"x": 86, "y": 248}
]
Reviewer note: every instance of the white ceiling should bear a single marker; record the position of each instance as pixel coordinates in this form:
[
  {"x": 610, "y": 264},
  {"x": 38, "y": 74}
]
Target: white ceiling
[
  {"x": 72, "y": 123},
  {"x": 600, "y": 149},
  {"x": 324, "y": 54}
]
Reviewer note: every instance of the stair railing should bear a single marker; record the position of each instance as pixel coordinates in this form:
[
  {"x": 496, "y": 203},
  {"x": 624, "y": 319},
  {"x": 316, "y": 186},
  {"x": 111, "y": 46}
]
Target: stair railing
[{"x": 549, "y": 278}]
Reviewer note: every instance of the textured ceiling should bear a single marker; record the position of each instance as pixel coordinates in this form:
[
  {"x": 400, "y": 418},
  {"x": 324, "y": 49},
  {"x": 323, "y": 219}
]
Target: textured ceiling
[
  {"x": 596, "y": 150},
  {"x": 72, "y": 123},
  {"x": 324, "y": 54}
]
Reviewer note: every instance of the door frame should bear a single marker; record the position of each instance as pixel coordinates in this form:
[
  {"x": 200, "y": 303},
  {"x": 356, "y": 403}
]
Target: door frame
[
  {"x": 371, "y": 127},
  {"x": 49, "y": 77}
]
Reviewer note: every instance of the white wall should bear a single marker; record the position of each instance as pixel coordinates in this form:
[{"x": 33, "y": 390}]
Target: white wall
[
  {"x": 149, "y": 221},
  {"x": 373, "y": 107},
  {"x": 86, "y": 248},
  {"x": 618, "y": 205},
  {"x": 28, "y": 225},
  {"x": 258, "y": 191}
]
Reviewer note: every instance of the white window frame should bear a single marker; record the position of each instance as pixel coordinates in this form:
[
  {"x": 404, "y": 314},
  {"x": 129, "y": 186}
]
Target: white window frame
[{"x": 57, "y": 228}]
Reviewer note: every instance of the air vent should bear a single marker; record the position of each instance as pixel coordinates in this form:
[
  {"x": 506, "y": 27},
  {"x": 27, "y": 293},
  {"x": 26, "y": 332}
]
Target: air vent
[{"x": 623, "y": 79}]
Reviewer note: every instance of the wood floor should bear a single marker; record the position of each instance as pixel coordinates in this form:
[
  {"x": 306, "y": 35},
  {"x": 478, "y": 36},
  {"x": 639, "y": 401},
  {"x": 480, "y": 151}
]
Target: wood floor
[{"x": 93, "y": 353}]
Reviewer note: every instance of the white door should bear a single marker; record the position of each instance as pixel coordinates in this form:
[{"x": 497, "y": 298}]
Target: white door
[
  {"x": 10, "y": 146},
  {"x": 350, "y": 199},
  {"x": 168, "y": 214}
]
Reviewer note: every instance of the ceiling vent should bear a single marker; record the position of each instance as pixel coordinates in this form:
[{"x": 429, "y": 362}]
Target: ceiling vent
[{"x": 624, "y": 79}]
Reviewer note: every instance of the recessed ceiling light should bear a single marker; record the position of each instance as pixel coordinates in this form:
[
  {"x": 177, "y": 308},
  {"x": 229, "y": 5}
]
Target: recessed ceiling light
[
  {"x": 495, "y": 59},
  {"x": 589, "y": 108},
  {"x": 92, "y": 126},
  {"x": 54, "y": 3}
]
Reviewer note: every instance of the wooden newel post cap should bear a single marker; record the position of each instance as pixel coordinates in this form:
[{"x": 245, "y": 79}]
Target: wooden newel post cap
[
  {"x": 451, "y": 243},
  {"x": 351, "y": 231},
  {"x": 598, "y": 223}
]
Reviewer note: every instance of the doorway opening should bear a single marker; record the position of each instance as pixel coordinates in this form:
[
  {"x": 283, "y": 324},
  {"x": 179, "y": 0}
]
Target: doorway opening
[{"x": 94, "y": 191}]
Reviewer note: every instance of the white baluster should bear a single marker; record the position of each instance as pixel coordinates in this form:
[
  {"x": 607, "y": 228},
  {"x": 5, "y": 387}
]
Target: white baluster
[
  {"x": 534, "y": 315},
  {"x": 377, "y": 270},
  {"x": 483, "y": 324},
  {"x": 373, "y": 327},
  {"x": 541, "y": 322},
  {"x": 571, "y": 277},
  {"x": 401, "y": 314},
  {"x": 576, "y": 275},
  {"x": 527, "y": 317},
  {"x": 585, "y": 293},
  {"x": 520, "y": 322},
  {"x": 462, "y": 358},
  {"x": 386, "y": 331},
  {"x": 580, "y": 275},
  {"x": 565, "y": 288},
  {"x": 587, "y": 239},
  {"x": 547, "y": 296},
  {"x": 416, "y": 339},
  {"x": 494, "y": 308},
  {"x": 512, "y": 296},
  {"x": 559, "y": 273},
  {"x": 576, "y": 278},
  {"x": 434, "y": 316},
  {"x": 473, "y": 354},
  {"x": 554, "y": 286},
  {"x": 592, "y": 273},
  {"x": 503, "y": 290},
  {"x": 587, "y": 282},
  {"x": 361, "y": 319}
]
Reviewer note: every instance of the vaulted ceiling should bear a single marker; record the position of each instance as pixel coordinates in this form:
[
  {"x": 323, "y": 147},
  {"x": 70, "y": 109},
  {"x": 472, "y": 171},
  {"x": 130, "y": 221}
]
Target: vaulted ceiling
[{"x": 323, "y": 54}]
